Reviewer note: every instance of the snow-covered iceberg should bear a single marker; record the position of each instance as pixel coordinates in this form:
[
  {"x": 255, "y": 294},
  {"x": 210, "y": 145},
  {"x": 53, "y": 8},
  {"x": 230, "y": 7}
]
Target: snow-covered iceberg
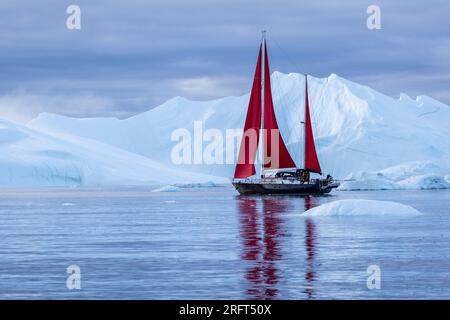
[
  {"x": 360, "y": 207},
  {"x": 359, "y": 132},
  {"x": 412, "y": 175},
  {"x": 424, "y": 182},
  {"x": 32, "y": 158},
  {"x": 356, "y": 128}
]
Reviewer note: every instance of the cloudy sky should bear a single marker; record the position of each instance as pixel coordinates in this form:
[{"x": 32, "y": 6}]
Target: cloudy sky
[{"x": 131, "y": 55}]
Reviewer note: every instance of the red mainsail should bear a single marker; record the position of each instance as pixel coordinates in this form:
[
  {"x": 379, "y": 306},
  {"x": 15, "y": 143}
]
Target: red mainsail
[
  {"x": 311, "y": 160},
  {"x": 273, "y": 159},
  {"x": 250, "y": 139}
]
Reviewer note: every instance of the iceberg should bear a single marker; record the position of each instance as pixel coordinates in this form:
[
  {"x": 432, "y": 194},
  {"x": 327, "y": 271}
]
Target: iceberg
[
  {"x": 425, "y": 182},
  {"x": 372, "y": 140},
  {"x": 32, "y": 158},
  {"x": 411, "y": 175},
  {"x": 360, "y": 207},
  {"x": 360, "y": 129}
]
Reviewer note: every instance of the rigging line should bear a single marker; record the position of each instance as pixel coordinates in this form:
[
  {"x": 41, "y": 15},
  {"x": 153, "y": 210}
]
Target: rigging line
[
  {"x": 281, "y": 103},
  {"x": 290, "y": 101},
  {"x": 287, "y": 56},
  {"x": 306, "y": 74},
  {"x": 298, "y": 68},
  {"x": 285, "y": 102},
  {"x": 291, "y": 61}
]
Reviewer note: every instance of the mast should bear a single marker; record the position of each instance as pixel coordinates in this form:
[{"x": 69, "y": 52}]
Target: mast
[
  {"x": 263, "y": 61},
  {"x": 304, "y": 122},
  {"x": 276, "y": 155},
  {"x": 261, "y": 116}
]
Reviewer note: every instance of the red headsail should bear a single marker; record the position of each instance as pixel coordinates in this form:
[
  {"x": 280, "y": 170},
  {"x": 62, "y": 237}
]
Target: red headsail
[
  {"x": 311, "y": 160},
  {"x": 250, "y": 139},
  {"x": 284, "y": 159}
]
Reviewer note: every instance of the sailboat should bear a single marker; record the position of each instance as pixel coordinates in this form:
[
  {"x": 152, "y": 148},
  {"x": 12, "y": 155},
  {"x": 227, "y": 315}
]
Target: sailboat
[{"x": 279, "y": 173}]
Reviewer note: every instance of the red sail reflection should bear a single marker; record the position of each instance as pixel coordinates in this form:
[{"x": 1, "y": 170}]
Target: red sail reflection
[
  {"x": 260, "y": 231},
  {"x": 310, "y": 237}
]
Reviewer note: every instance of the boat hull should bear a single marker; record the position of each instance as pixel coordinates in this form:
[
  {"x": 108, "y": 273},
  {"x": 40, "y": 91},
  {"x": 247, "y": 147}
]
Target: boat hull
[{"x": 282, "y": 188}]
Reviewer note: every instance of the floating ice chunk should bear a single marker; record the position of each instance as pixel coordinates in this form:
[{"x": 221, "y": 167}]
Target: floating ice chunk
[
  {"x": 409, "y": 175},
  {"x": 412, "y": 168},
  {"x": 360, "y": 207},
  {"x": 168, "y": 189},
  {"x": 425, "y": 182},
  {"x": 368, "y": 184},
  {"x": 196, "y": 185}
]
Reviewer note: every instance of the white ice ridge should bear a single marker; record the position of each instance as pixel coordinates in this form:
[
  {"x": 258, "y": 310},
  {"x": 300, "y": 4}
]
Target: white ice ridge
[{"x": 360, "y": 207}]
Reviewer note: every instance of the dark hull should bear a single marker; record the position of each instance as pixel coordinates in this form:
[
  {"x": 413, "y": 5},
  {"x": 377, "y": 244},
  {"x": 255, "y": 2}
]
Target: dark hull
[{"x": 279, "y": 188}]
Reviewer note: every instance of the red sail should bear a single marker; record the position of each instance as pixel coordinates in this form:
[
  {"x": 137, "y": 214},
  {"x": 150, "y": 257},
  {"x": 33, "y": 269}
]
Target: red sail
[
  {"x": 249, "y": 144},
  {"x": 271, "y": 160},
  {"x": 311, "y": 160}
]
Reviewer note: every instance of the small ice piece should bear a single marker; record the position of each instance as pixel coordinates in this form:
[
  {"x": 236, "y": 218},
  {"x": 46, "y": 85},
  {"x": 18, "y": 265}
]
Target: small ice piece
[
  {"x": 207, "y": 184},
  {"x": 168, "y": 188},
  {"x": 361, "y": 207}
]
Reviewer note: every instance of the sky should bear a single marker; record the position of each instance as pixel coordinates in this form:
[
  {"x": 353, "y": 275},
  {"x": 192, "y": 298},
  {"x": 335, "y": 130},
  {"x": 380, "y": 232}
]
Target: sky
[{"x": 130, "y": 56}]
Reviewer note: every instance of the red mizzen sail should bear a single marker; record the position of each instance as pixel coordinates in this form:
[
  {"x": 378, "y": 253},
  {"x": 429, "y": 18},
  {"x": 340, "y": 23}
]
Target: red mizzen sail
[
  {"x": 270, "y": 123},
  {"x": 311, "y": 160},
  {"x": 250, "y": 139}
]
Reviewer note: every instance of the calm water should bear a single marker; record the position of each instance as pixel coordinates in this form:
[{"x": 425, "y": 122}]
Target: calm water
[{"x": 212, "y": 243}]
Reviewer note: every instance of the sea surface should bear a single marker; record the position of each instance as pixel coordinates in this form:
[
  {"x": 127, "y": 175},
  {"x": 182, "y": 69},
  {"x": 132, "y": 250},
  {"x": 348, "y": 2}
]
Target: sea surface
[{"x": 211, "y": 243}]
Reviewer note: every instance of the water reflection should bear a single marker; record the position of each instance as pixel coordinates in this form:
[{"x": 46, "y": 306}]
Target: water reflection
[
  {"x": 262, "y": 237},
  {"x": 310, "y": 237},
  {"x": 261, "y": 232}
]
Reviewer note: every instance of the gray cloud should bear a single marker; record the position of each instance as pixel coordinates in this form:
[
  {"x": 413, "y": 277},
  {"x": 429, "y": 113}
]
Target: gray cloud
[{"x": 132, "y": 55}]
